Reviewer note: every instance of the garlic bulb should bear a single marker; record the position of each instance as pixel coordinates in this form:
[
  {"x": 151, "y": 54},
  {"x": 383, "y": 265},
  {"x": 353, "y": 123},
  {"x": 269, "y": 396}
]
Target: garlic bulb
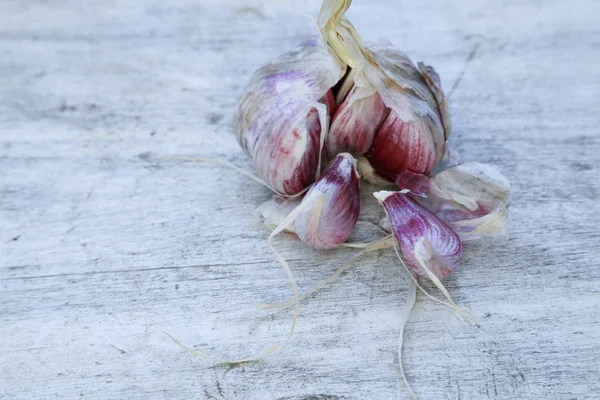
[{"x": 335, "y": 95}]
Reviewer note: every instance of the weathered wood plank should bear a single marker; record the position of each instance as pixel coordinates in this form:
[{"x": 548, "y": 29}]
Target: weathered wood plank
[{"x": 106, "y": 240}]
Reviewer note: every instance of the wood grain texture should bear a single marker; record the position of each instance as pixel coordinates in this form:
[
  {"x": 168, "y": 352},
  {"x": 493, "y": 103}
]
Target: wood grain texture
[{"x": 106, "y": 239}]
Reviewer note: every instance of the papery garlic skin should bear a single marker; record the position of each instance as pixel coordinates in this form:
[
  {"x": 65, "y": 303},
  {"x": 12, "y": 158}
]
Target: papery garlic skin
[
  {"x": 332, "y": 205},
  {"x": 274, "y": 211},
  {"x": 368, "y": 174},
  {"x": 421, "y": 234},
  {"x": 472, "y": 198},
  {"x": 472, "y": 185},
  {"x": 282, "y": 118}
]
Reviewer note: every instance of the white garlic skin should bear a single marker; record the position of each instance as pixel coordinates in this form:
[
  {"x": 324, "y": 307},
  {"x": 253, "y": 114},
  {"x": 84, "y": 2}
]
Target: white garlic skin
[{"x": 333, "y": 205}]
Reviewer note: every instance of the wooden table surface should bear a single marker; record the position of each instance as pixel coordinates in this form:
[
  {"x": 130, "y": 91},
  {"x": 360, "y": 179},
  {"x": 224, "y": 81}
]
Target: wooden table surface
[{"x": 107, "y": 239}]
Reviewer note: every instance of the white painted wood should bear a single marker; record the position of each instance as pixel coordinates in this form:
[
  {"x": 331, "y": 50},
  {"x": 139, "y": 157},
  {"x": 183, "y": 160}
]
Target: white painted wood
[{"x": 105, "y": 241}]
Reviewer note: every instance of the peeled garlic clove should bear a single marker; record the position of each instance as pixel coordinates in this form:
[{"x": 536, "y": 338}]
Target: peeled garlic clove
[
  {"x": 355, "y": 123},
  {"x": 282, "y": 116},
  {"x": 422, "y": 237},
  {"x": 273, "y": 211},
  {"x": 332, "y": 205}
]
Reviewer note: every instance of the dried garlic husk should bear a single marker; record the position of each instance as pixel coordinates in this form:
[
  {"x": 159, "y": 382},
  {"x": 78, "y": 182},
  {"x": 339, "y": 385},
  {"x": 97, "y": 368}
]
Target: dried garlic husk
[
  {"x": 368, "y": 173},
  {"x": 273, "y": 211},
  {"x": 472, "y": 198}
]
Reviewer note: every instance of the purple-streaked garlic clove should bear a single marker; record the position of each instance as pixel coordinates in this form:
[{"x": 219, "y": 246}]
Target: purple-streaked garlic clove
[
  {"x": 283, "y": 116},
  {"x": 355, "y": 123},
  {"x": 400, "y": 146},
  {"x": 413, "y": 136},
  {"x": 422, "y": 237},
  {"x": 332, "y": 205}
]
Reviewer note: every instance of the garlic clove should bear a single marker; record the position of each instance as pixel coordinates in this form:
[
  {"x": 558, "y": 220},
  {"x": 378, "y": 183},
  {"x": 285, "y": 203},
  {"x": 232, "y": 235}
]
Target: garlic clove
[
  {"x": 401, "y": 146},
  {"x": 355, "y": 123},
  {"x": 282, "y": 117},
  {"x": 331, "y": 206},
  {"x": 422, "y": 236},
  {"x": 413, "y": 135}
]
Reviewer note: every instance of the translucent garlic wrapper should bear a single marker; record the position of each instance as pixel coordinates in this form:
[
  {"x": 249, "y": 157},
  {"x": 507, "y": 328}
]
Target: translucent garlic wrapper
[{"x": 472, "y": 198}]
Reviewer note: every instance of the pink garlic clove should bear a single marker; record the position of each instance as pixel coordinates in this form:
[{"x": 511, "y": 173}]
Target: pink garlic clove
[
  {"x": 355, "y": 123},
  {"x": 283, "y": 116},
  {"x": 332, "y": 205},
  {"x": 401, "y": 146},
  {"x": 413, "y": 135},
  {"x": 422, "y": 236}
]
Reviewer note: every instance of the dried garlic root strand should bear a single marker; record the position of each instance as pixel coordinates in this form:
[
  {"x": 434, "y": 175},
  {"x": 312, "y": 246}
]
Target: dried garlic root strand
[
  {"x": 315, "y": 195},
  {"x": 380, "y": 244},
  {"x": 465, "y": 314},
  {"x": 408, "y": 306},
  {"x": 460, "y": 311},
  {"x": 245, "y": 173}
]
